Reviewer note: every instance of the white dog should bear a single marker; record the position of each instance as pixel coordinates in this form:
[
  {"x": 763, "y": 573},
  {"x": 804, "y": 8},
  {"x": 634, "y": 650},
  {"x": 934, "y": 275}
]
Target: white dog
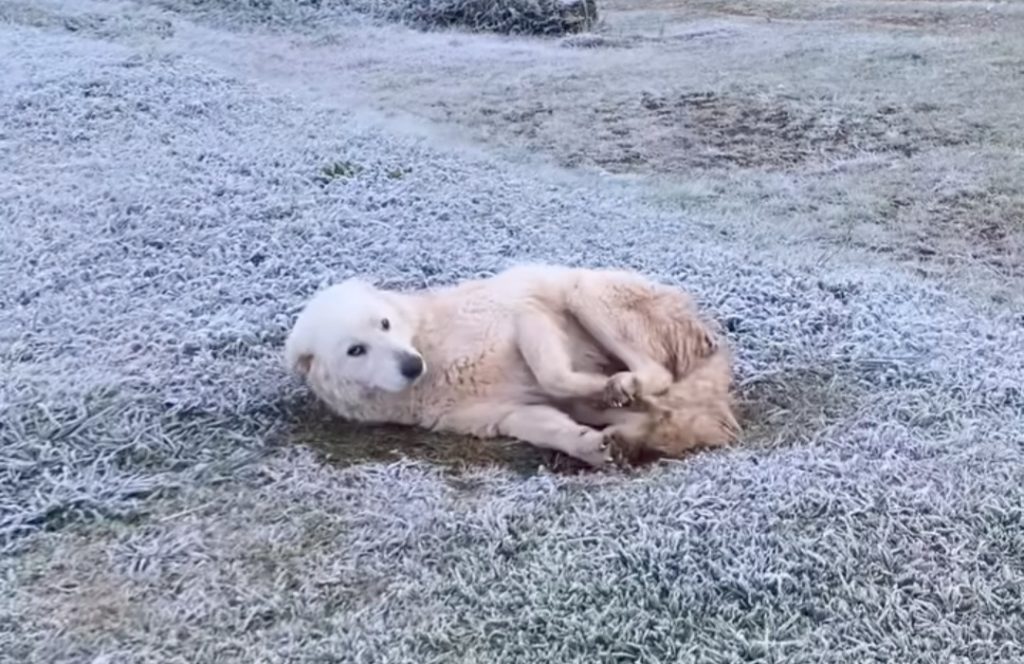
[{"x": 519, "y": 354}]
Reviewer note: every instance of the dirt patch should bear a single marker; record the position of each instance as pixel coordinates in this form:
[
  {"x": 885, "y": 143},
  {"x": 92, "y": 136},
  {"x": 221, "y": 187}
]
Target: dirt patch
[
  {"x": 975, "y": 18},
  {"x": 671, "y": 133},
  {"x": 709, "y": 130},
  {"x": 979, "y": 227},
  {"x": 789, "y": 406},
  {"x": 749, "y": 131},
  {"x": 597, "y": 40},
  {"x": 911, "y": 14}
]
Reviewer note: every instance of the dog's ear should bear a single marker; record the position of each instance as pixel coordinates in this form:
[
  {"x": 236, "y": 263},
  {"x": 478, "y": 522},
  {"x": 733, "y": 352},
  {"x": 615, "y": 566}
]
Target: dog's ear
[{"x": 303, "y": 363}]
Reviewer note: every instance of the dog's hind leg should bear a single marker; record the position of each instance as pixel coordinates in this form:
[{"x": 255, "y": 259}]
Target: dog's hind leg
[
  {"x": 544, "y": 345},
  {"x": 652, "y": 329}
]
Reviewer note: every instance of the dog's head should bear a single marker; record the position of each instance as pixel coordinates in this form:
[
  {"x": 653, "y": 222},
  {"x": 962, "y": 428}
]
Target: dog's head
[{"x": 352, "y": 333}]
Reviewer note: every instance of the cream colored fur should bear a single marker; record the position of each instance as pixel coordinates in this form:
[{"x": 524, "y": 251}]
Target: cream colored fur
[{"x": 521, "y": 354}]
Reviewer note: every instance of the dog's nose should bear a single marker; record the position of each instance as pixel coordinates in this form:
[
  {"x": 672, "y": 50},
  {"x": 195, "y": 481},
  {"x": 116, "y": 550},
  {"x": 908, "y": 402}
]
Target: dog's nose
[{"x": 411, "y": 366}]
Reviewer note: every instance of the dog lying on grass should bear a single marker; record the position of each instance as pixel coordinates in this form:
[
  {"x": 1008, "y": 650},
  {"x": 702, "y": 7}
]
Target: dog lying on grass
[{"x": 597, "y": 364}]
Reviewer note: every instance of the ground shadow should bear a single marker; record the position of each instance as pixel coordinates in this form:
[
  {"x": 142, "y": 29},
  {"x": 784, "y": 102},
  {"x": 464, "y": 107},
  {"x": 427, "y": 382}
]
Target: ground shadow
[
  {"x": 343, "y": 443},
  {"x": 788, "y": 406}
]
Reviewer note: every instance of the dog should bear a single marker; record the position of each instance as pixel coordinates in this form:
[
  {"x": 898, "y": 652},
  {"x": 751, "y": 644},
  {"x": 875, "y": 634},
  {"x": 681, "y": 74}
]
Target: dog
[{"x": 589, "y": 362}]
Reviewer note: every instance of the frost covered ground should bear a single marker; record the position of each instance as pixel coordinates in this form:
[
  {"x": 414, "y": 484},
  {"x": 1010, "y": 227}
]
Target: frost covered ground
[{"x": 840, "y": 185}]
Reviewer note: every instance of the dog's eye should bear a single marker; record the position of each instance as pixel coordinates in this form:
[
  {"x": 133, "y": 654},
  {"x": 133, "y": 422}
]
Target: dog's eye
[
  {"x": 385, "y": 324},
  {"x": 357, "y": 350}
]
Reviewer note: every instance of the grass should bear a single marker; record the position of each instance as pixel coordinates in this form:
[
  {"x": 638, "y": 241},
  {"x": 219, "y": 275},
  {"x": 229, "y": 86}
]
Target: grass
[
  {"x": 881, "y": 126},
  {"x": 838, "y": 183},
  {"x": 342, "y": 170}
]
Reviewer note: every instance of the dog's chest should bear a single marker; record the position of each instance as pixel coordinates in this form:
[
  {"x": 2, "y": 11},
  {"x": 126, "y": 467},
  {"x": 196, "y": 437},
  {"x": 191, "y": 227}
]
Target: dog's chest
[
  {"x": 478, "y": 364},
  {"x": 475, "y": 359}
]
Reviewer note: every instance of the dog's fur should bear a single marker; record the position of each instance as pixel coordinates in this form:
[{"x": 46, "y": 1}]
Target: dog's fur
[
  {"x": 696, "y": 411},
  {"x": 540, "y": 353}
]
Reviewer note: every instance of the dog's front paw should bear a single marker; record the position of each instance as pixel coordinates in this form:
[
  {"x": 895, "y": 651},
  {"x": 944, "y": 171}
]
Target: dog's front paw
[
  {"x": 594, "y": 449},
  {"x": 622, "y": 389},
  {"x": 619, "y": 447}
]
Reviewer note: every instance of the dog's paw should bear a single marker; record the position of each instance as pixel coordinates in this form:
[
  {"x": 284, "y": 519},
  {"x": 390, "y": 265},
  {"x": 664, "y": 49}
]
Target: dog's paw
[
  {"x": 625, "y": 448},
  {"x": 595, "y": 449},
  {"x": 620, "y": 450},
  {"x": 622, "y": 389}
]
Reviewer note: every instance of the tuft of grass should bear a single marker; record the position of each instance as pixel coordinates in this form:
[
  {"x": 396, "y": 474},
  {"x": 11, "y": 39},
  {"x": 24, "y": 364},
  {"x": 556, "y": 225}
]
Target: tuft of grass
[
  {"x": 339, "y": 170},
  {"x": 398, "y": 173}
]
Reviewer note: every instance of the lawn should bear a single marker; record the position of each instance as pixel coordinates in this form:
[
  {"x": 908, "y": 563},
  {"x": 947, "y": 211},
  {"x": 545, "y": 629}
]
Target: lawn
[{"x": 838, "y": 183}]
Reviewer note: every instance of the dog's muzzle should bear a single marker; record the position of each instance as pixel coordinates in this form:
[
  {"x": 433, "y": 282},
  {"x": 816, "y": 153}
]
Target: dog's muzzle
[{"x": 411, "y": 366}]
